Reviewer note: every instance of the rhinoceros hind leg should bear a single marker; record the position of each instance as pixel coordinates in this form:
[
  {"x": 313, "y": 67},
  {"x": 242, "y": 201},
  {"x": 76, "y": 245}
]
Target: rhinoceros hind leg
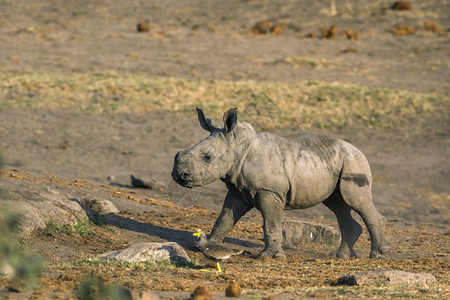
[
  {"x": 356, "y": 190},
  {"x": 275, "y": 253},
  {"x": 350, "y": 229}
]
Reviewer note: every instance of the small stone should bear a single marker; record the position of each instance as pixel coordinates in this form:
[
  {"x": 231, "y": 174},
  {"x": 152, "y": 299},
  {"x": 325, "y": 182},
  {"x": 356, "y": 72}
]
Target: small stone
[
  {"x": 350, "y": 35},
  {"x": 147, "y": 184},
  {"x": 401, "y": 5},
  {"x": 329, "y": 32},
  {"x": 311, "y": 35},
  {"x": 147, "y": 251},
  {"x": 388, "y": 277},
  {"x": 6, "y": 269},
  {"x": 233, "y": 290},
  {"x": 261, "y": 27},
  {"x": 278, "y": 29},
  {"x": 299, "y": 231},
  {"x": 144, "y": 26},
  {"x": 143, "y": 295},
  {"x": 432, "y": 26},
  {"x": 100, "y": 205},
  {"x": 201, "y": 293},
  {"x": 401, "y": 29}
]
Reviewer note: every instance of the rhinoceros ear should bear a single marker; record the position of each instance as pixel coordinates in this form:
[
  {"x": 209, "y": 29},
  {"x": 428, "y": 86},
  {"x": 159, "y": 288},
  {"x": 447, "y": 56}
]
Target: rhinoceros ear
[
  {"x": 230, "y": 119},
  {"x": 206, "y": 123}
]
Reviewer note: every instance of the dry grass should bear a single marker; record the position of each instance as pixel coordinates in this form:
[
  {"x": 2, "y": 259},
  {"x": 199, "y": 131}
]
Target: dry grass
[{"x": 307, "y": 104}]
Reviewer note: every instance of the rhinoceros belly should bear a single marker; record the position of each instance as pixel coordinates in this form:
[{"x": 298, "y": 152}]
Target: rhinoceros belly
[{"x": 312, "y": 181}]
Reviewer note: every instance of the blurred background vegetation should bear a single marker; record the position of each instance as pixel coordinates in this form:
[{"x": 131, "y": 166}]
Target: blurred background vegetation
[{"x": 17, "y": 260}]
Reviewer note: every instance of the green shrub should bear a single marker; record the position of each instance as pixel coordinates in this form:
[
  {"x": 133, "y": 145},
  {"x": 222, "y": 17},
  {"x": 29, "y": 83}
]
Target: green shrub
[
  {"x": 26, "y": 266},
  {"x": 93, "y": 287}
]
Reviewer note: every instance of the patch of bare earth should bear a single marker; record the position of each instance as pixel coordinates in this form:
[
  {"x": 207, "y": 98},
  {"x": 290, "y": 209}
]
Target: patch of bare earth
[
  {"x": 307, "y": 272},
  {"x": 86, "y": 100}
]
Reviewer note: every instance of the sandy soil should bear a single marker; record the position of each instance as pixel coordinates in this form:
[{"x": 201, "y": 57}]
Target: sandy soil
[{"x": 213, "y": 40}]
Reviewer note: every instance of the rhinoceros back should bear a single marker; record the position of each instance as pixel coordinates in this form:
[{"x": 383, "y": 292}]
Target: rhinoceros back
[{"x": 303, "y": 168}]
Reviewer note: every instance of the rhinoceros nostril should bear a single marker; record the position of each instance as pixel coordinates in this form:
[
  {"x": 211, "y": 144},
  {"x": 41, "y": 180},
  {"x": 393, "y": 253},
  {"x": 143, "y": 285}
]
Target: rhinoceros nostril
[{"x": 184, "y": 176}]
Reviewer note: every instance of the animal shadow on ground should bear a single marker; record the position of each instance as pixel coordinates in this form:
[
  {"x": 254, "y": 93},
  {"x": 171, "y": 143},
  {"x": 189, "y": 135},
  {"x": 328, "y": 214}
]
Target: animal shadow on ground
[{"x": 184, "y": 238}]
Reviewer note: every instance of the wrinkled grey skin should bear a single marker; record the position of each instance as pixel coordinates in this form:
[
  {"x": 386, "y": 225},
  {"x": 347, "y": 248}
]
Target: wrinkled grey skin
[{"x": 273, "y": 173}]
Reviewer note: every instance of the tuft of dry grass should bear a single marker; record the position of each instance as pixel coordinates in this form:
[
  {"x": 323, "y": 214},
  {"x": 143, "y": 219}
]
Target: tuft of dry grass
[{"x": 306, "y": 104}]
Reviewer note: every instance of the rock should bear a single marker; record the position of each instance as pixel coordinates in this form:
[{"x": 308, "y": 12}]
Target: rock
[
  {"x": 100, "y": 205},
  {"x": 277, "y": 29},
  {"x": 144, "y": 26},
  {"x": 233, "y": 290},
  {"x": 350, "y": 35},
  {"x": 349, "y": 50},
  {"x": 299, "y": 231},
  {"x": 36, "y": 208},
  {"x": 311, "y": 35},
  {"x": 6, "y": 269},
  {"x": 401, "y": 5},
  {"x": 329, "y": 32},
  {"x": 201, "y": 293},
  {"x": 147, "y": 184},
  {"x": 143, "y": 295},
  {"x": 389, "y": 277},
  {"x": 148, "y": 251},
  {"x": 432, "y": 26},
  {"x": 264, "y": 27},
  {"x": 400, "y": 29},
  {"x": 261, "y": 27}
]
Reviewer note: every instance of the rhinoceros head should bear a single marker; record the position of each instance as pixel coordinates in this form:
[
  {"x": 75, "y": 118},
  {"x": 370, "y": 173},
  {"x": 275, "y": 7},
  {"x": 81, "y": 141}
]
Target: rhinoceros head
[{"x": 215, "y": 156}]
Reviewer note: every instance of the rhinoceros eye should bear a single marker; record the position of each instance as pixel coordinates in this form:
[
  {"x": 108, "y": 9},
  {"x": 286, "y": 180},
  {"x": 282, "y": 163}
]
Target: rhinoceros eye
[{"x": 208, "y": 157}]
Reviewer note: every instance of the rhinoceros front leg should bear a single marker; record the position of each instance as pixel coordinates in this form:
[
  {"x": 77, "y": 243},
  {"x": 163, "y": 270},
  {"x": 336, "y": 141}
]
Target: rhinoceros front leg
[
  {"x": 233, "y": 209},
  {"x": 271, "y": 207}
]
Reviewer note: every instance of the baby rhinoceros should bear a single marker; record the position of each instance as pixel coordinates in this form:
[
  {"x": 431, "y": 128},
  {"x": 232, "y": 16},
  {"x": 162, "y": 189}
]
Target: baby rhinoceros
[{"x": 273, "y": 173}]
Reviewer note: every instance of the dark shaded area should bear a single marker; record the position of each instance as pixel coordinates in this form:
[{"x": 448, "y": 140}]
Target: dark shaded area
[
  {"x": 184, "y": 238},
  {"x": 359, "y": 179}
]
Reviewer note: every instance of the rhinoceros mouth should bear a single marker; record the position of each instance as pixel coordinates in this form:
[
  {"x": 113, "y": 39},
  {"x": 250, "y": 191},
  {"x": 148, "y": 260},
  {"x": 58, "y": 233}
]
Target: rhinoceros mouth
[
  {"x": 183, "y": 179},
  {"x": 184, "y": 183}
]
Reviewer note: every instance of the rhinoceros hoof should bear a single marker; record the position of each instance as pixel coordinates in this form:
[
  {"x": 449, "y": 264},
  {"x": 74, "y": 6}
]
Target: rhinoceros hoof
[
  {"x": 383, "y": 249},
  {"x": 272, "y": 253},
  {"x": 342, "y": 254}
]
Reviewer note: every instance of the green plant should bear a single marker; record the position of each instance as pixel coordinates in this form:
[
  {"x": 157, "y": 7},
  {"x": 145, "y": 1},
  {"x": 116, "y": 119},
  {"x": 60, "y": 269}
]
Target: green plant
[
  {"x": 26, "y": 266},
  {"x": 81, "y": 227},
  {"x": 144, "y": 265},
  {"x": 93, "y": 287}
]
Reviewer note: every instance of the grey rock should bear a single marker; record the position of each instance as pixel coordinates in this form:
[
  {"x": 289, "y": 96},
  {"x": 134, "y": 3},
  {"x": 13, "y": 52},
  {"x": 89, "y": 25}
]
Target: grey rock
[
  {"x": 148, "y": 184},
  {"x": 295, "y": 232},
  {"x": 144, "y": 295},
  {"x": 37, "y": 208},
  {"x": 389, "y": 277},
  {"x": 6, "y": 269},
  {"x": 100, "y": 205},
  {"x": 148, "y": 251}
]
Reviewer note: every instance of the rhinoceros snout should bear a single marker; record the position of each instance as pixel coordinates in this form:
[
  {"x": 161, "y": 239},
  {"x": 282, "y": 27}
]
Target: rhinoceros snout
[
  {"x": 182, "y": 177},
  {"x": 180, "y": 173}
]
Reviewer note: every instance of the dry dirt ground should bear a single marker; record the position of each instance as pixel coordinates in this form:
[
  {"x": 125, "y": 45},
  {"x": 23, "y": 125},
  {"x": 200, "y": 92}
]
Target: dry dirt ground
[{"x": 93, "y": 153}]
